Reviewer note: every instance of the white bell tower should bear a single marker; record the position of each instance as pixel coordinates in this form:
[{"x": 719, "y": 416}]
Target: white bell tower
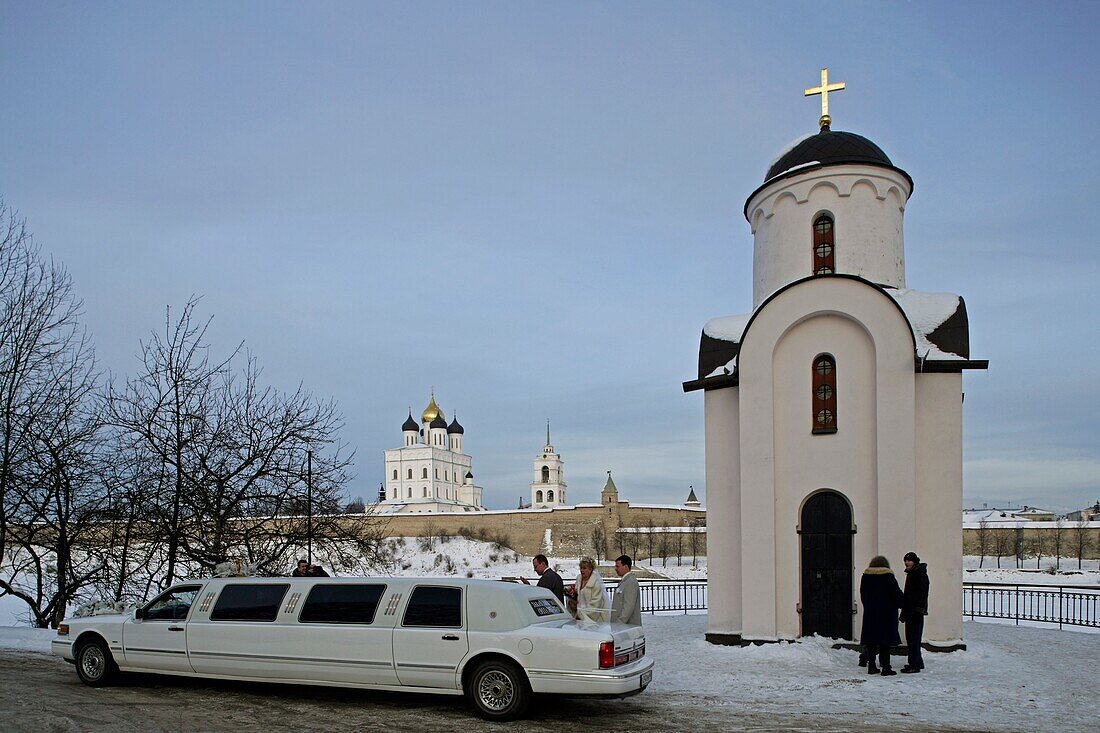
[{"x": 548, "y": 488}]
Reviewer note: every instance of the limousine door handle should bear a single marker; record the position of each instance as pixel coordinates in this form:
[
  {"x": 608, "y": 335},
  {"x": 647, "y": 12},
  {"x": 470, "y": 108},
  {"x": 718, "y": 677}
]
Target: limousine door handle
[
  {"x": 450, "y": 637},
  {"x": 175, "y": 628}
]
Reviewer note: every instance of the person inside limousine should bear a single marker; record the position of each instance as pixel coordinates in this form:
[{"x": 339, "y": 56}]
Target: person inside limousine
[{"x": 306, "y": 569}]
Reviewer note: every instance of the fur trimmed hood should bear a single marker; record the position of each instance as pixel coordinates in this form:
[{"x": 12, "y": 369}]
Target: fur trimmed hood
[{"x": 878, "y": 571}]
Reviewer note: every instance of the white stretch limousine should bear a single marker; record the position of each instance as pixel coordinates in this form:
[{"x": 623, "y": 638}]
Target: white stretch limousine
[{"x": 497, "y": 642}]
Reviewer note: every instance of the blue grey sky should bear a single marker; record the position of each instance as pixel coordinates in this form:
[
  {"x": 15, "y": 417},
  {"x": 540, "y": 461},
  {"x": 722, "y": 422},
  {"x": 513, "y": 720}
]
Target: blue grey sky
[{"x": 535, "y": 207}]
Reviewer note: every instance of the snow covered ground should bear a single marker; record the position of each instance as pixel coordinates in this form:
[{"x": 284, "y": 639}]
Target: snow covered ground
[{"x": 1010, "y": 678}]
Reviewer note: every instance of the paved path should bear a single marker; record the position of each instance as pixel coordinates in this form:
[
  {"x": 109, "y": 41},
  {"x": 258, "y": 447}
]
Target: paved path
[{"x": 42, "y": 693}]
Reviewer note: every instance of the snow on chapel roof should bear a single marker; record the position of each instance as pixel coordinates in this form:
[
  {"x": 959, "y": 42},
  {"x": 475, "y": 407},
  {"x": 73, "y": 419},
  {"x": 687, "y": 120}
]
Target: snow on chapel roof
[{"x": 938, "y": 320}]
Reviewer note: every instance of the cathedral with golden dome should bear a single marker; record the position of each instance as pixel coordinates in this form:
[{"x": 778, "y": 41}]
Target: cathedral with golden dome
[{"x": 429, "y": 473}]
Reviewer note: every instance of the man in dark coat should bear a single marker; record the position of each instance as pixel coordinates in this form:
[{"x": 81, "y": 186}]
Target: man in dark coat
[
  {"x": 882, "y": 597},
  {"x": 547, "y": 578},
  {"x": 306, "y": 569},
  {"x": 914, "y": 609}
]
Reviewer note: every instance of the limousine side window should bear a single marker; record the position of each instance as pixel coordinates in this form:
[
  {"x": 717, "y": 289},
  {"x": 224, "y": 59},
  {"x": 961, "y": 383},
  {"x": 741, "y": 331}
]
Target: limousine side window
[
  {"x": 171, "y": 605},
  {"x": 249, "y": 602},
  {"x": 341, "y": 604},
  {"x": 434, "y": 606}
]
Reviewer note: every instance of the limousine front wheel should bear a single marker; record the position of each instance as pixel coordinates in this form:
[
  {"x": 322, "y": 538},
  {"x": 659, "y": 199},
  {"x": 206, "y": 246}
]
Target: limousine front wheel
[
  {"x": 94, "y": 664},
  {"x": 498, "y": 691}
]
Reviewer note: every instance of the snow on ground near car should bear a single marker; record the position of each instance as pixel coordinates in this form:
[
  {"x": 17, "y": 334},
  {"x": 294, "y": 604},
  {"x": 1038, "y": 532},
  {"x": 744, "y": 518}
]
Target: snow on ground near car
[{"x": 1010, "y": 678}]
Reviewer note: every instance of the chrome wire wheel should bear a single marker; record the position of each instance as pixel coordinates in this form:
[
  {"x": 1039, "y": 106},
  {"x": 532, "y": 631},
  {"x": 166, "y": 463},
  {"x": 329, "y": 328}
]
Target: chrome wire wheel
[
  {"x": 496, "y": 690},
  {"x": 93, "y": 662}
]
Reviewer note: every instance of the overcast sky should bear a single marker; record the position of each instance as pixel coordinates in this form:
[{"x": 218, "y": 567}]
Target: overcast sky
[{"x": 534, "y": 208}]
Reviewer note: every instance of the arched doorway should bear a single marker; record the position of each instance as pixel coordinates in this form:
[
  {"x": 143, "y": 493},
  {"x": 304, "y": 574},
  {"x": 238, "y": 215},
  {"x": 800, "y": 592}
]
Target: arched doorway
[{"x": 826, "y": 537}]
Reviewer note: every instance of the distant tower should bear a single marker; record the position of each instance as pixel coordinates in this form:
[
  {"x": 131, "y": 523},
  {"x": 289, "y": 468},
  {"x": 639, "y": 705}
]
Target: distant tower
[
  {"x": 609, "y": 497},
  {"x": 548, "y": 488},
  {"x": 691, "y": 500}
]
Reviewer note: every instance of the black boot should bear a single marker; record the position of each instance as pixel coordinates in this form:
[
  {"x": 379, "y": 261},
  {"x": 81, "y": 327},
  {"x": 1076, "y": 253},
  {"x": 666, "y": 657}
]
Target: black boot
[
  {"x": 909, "y": 670},
  {"x": 887, "y": 672},
  {"x": 871, "y": 668}
]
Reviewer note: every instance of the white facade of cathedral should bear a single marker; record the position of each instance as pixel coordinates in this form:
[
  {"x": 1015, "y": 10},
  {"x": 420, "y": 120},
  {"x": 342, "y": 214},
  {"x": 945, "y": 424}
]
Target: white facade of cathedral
[
  {"x": 548, "y": 488},
  {"x": 429, "y": 473},
  {"x": 833, "y": 410}
]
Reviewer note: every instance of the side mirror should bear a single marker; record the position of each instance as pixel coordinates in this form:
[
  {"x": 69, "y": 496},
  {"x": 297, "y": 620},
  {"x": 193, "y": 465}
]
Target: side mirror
[{"x": 139, "y": 613}]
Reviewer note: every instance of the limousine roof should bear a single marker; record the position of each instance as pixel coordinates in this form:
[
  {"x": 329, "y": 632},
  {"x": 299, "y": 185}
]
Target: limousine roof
[{"x": 403, "y": 580}]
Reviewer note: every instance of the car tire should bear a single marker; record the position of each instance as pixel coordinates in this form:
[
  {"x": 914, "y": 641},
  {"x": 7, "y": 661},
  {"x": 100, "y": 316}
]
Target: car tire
[
  {"x": 498, "y": 691},
  {"x": 94, "y": 664}
]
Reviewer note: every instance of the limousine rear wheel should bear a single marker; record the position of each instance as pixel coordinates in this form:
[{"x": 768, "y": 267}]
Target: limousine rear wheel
[
  {"x": 498, "y": 690},
  {"x": 94, "y": 664}
]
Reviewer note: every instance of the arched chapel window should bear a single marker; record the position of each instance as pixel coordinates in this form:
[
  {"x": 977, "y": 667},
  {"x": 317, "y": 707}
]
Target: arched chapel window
[
  {"x": 423, "y": 473},
  {"x": 824, "y": 394},
  {"x": 410, "y": 476},
  {"x": 549, "y": 495},
  {"x": 395, "y": 474},
  {"x": 546, "y": 474},
  {"x": 824, "y": 246},
  {"x": 538, "y": 497}
]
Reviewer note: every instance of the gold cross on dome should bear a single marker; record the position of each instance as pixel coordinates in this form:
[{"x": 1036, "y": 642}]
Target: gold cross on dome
[{"x": 824, "y": 90}]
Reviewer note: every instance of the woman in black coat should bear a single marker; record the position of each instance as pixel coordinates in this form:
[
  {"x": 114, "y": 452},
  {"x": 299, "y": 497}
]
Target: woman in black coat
[{"x": 882, "y": 597}]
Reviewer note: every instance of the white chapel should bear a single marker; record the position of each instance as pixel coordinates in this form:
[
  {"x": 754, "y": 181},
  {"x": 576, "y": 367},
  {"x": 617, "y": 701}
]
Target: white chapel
[
  {"x": 833, "y": 409},
  {"x": 429, "y": 472}
]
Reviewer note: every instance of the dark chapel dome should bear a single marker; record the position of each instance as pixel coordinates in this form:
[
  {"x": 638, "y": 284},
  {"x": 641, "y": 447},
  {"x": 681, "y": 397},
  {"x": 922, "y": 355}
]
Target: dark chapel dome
[{"x": 828, "y": 148}]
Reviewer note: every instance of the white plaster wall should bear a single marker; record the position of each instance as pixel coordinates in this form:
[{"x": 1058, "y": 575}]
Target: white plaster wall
[
  {"x": 844, "y": 461},
  {"x": 867, "y": 204},
  {"x": 723, "y": 496},
  {"x": 939, "y": 502},
  {"x": 876, "y": 383}
]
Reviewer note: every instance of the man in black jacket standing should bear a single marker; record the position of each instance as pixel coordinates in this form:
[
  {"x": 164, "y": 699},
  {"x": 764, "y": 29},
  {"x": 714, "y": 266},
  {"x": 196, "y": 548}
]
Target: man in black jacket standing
[
  {"x": 547, "y": 578},
  {"x": 914, "y": 608}
]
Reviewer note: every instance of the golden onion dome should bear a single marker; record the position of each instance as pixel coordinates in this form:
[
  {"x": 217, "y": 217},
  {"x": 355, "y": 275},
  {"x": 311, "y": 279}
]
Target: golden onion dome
[{"x": 431, "y": 412}]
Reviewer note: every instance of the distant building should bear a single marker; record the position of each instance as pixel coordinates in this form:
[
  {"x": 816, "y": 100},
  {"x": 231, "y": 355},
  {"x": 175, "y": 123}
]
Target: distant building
[
  {"x": 548, "y": 488},
  {"x": 429, "y": 473},
  {"x": 1088, "y": 514},
  {"x": 994, "y": 515}
]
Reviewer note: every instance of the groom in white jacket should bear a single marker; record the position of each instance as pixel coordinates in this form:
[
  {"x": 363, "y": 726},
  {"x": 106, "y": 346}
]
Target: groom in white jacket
[{"x": 626, "y": 607}]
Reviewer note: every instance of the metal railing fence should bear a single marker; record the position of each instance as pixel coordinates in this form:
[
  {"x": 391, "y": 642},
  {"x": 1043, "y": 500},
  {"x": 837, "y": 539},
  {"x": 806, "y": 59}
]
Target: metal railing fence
[
  {"x": 1061, "y": 605},
  {"x": 1064, "y": 605}
]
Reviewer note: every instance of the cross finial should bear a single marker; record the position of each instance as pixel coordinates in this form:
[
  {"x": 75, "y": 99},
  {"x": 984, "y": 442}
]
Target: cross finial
[{"x": 824, "y": 90}]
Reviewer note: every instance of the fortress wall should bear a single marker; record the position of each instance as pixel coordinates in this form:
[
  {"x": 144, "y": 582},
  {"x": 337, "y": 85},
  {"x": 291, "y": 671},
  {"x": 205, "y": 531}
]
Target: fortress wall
[{"x": 571, "y": 528}]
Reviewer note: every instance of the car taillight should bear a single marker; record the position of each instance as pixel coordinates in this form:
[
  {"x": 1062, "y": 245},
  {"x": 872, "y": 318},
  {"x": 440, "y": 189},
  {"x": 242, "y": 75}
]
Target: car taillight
[
  {"x": 62, "y": 629},
  {"x": 607, "y": 654}
]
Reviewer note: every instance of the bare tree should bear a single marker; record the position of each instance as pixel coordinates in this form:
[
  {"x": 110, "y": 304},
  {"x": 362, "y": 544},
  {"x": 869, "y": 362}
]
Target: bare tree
[
  {"x": 663, "y": 545},
  {"x": 1018, "y": 544},
  {"x": 599, "y": 541},
  {"x": 679, "y": 546},
  {"x": 1080, "y": 540},
  {"x": 649, "y": 544},
  {"x": 165, "y": 412},
  {"x": 695, "y": 536},
  {"x": 242, "y": 471},
  {"x": 1058, "y": 541},
  {"x": 49, "y": 428},
  {"x": 1002, "y": 543},
  {"x": 983, "y": 540}
]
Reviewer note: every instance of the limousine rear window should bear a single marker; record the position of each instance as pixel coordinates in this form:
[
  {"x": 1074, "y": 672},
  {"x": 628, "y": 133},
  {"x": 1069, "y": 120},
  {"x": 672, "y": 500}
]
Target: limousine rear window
[
  {"x": 546, "y": 607},
  {"x": 249, "y": 602},
  {"x": 341, "y": 604},
  {"x": 434, "y": 606}
]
